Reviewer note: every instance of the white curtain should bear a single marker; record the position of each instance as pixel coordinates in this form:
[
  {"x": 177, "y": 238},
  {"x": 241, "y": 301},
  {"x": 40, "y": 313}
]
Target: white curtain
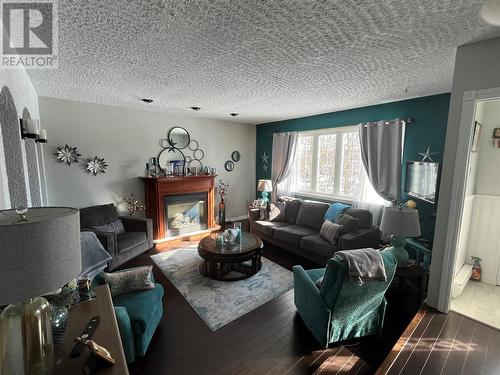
[
  {"x": 283, "y": 160},
  {"x": 370, "y": 200}
]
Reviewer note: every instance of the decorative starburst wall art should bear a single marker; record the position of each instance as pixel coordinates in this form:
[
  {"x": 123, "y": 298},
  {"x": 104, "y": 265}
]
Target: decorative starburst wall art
[
  {"x": 68, "y": 154},
  {"x": 96, "y": 165}
]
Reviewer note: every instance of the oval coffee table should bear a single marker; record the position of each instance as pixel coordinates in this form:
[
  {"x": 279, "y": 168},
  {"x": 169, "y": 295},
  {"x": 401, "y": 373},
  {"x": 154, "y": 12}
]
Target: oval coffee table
[{"x": 230, "y": 263}]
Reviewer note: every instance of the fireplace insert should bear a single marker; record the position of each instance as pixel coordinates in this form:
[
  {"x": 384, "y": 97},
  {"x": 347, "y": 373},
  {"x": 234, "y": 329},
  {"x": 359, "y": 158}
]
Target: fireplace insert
[{"x": 185, "y": 213}]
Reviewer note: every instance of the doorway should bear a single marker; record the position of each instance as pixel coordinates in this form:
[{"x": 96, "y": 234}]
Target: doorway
[{"x": 475, "y": 290}]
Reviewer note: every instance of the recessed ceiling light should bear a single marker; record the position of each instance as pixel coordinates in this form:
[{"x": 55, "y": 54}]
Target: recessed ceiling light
[
  {"x": 490, "y": 12},
  {"x": 233, "y": 114},
  {"x": 146, "y": 100},
  {"x": 195, "y": 108}
]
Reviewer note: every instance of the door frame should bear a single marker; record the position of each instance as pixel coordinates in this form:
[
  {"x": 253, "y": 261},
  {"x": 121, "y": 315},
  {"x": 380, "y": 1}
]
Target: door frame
[{"x": 465, "y": 137}]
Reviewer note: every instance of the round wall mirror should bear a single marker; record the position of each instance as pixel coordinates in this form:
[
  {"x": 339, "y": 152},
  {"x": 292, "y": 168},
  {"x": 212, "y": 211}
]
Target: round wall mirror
[
  {"x": 179, "y": 137},
  {"x": 236, "y": 156},
  {"x": 171, "y": 155},
  {"x": 199, "y": 154},
  {"x": 196, "y": 164},
  {"x": 194, "y": 145},
  {"x": 229, "y": 165}
]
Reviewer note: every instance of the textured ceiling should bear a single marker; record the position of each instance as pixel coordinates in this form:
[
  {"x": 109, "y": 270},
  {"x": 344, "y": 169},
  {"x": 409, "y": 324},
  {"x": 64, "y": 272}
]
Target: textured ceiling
[{"x": 266, "y": 60}]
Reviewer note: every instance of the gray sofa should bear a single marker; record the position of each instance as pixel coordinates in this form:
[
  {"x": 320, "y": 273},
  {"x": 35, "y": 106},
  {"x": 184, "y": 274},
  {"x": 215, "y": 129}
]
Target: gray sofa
[
  {"x": 299, "y": 232},
  {"x": 136, "y": 239}
]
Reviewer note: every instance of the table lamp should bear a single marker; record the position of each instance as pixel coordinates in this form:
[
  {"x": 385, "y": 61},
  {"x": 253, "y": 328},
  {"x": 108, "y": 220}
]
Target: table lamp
[
  {"x": 400, "y": 223},
  {"x": 265, "y": 186},
  {"x": 39, "y": 253}
]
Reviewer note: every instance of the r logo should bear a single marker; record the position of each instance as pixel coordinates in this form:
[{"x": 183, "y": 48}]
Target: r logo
[{"x": 28, "y": 28}]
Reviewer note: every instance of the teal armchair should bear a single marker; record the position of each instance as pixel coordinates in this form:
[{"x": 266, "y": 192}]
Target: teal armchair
[
  {"x": 138, "y": 315},
  {"x": 341, "y": 309}
]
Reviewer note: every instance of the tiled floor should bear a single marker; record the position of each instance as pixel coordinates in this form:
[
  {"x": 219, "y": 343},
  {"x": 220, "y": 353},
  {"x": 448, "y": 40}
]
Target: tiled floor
[{"x": 479, "y": 301}]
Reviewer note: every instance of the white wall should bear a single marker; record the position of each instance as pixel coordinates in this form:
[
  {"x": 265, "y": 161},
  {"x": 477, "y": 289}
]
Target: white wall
[
  {"x": 481, "y": 214},
  {"x": 24, "y": 96},
  {"x": 488, "y": 172},
  {"x": 476, "y": 68},
  {"x": 126, "y": 139},
  {"x": 462, "y": 256}
]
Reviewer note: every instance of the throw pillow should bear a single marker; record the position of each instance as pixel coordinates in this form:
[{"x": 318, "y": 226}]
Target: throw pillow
[
  {"x": 130, "y": 280},
  {"x": 330, "y": 231},
  {"x": 349, "y": 223},
  {"x": 335, "y": 210},
  {"x": 115, "y": 227},
  {"x": 277, "y": 211}
]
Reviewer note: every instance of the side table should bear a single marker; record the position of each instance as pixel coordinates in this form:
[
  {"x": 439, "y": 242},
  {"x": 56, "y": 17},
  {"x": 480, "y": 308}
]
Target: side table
[
  {"x": 107, "y": 334},
  {"x": 412, "y": 278}
]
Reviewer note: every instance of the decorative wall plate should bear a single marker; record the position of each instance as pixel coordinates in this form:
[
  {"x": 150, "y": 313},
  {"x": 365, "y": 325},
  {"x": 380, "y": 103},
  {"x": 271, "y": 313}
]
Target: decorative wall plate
[
  {"x": 236, "y": 156},
  {"x": 68, "y": 154},
  {"x": 229, "y": 165},
  {"x": 96, "y": 165}
]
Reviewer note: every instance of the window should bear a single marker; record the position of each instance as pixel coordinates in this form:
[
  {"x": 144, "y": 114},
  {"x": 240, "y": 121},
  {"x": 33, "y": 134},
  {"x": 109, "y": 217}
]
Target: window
[{"x": 329, "y": 163}]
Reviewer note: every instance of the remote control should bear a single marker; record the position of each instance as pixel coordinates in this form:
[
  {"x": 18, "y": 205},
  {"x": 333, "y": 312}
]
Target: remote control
[{"x": 86, "y": 335}]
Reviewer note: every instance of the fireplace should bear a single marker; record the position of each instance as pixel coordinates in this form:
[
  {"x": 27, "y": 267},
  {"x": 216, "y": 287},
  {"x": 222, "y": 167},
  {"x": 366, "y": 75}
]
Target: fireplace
[
  {"x": 180, "y": 206},
  {"x": 185, "y": 213}
]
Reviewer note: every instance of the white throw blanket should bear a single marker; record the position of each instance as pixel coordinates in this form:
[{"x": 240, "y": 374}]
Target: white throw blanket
[{"x": 363, "y": 264}]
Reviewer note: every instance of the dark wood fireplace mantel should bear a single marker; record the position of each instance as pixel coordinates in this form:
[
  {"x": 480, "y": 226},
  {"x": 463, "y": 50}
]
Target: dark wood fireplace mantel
[{"x": 156, "y": 188}]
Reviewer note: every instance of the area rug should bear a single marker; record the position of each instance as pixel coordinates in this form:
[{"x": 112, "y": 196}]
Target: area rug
[{"x": 221, "y": 302}]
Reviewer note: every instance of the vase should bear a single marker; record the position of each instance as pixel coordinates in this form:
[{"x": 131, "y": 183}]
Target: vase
[
  {"x": 222, "y": 213},
  {"x": 59, "y": 318}
]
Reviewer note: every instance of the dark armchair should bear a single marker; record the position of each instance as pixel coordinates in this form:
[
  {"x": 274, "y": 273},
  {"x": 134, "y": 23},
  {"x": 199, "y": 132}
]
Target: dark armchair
[{"x": 122, "y": 244}]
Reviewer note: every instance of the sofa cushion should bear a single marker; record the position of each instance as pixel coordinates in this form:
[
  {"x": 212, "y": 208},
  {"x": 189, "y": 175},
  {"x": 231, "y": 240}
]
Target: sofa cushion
[
  {"x": 141, "y": 307},
  {"x": 129, "y": 240},
  {"x": 292, "y": 233},
  {"x": 277, "y": 211},
  {"x": 292, "y": 208},
  {"x": 349, "y": 223},
  {"x": 311, "y": 214},
  {"x": 268, "y": 227},
  {"x": 318, "y": 245},
  {"x": 98, "y": 215},
  {"x": 365, "y": 217}
]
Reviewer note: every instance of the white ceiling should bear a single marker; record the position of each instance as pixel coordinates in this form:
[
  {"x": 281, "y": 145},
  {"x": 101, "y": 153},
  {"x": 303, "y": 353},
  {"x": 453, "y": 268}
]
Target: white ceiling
[{"x": 266, "y": 60}]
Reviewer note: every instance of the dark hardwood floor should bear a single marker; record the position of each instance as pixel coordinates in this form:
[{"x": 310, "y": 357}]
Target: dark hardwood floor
[
  {"x": 271, "y": 339},
  {"x": 437, "y": 343}
]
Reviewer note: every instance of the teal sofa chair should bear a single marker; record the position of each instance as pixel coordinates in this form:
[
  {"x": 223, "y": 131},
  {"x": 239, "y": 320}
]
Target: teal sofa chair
[
  {"x": 138, "y": 315},
  {"x": 341, "y": 309}
]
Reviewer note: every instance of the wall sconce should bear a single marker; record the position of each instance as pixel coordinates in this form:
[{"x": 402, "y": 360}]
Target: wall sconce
[
  {"x": 43, "y": 136},
  {"x": 30, "y": 128}
]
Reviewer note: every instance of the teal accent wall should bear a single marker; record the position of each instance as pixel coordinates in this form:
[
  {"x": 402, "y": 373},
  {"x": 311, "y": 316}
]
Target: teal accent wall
[{"x": 428, "y": 129}]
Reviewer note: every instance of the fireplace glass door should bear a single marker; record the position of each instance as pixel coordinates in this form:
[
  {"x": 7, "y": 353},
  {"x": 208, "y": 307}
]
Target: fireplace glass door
[{"x": 185, "y": 213}]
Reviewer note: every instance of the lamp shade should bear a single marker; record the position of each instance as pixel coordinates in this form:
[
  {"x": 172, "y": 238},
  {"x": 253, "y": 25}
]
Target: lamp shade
[
  {"x": 265, "y": 185},
  {"x": 400, "y": 221},
  {"x": 38, "y": 255}
]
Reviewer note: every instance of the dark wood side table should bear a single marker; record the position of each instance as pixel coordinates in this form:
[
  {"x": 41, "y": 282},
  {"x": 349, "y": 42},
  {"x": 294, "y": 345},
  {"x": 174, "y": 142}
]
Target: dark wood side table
[
  {"x": 106, "y": 334},
  {"x": 411, "y": 278}
]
